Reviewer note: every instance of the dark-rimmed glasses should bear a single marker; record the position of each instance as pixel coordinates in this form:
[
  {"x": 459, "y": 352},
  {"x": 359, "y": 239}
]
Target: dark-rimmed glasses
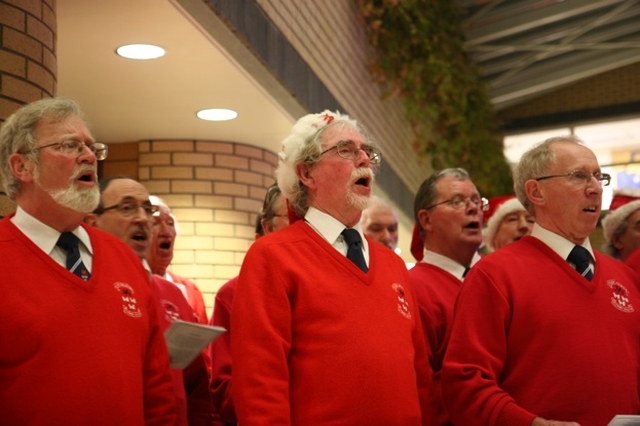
[
  {"x": 460, "y": 203},
  {"x": 130, "y": 208},
  {"x": 349, "y": 151},
  {"x": 580, "y": 176},
  {"x": 71, "y": 147}
]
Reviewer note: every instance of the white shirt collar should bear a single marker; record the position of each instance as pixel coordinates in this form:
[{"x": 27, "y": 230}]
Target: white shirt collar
[
  {"x": 448, "y": 264},
  {"x": 558, "y": 244},
  {"x": 330, "y": 229},
  {"x": 43, "y": 235}
]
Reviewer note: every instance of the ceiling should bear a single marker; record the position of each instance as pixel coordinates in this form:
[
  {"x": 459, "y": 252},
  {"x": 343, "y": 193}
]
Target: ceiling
[
  {"x": 524, "y": 48},
  {"x": 528, "y": 47}
]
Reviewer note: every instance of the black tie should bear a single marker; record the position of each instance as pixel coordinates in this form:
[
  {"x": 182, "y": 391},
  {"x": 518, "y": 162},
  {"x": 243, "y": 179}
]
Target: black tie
[
  {"x": 354, "y": 252},
  {"x": 466, "y": 271},
  {"x": 579, "y": 256},
  {"x": 69, "y": 242}
]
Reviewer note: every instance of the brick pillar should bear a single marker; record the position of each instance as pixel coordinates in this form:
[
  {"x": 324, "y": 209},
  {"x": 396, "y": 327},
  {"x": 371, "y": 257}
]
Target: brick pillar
[
  {"x": 28, "y": 67},
  {"x": 215, "y": 190}
]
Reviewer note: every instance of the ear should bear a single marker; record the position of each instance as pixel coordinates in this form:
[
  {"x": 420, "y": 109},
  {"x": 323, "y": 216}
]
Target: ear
[
  {"x": 304, "y": 174},
  {"x": 267, "y": 225},
  {"x": 616, "y": 242},
  {"x": 424, "y": 219},
  {"x": 535, "y": 192},
  {"x": 21, "y": 167},
  {"x": 91, "y": 219}
]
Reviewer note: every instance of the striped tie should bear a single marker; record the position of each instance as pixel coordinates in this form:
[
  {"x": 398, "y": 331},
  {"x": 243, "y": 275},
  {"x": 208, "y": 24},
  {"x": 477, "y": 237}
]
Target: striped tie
[
  {"x": 69, "y": 242},
  {"x": 579, "y": 257}
]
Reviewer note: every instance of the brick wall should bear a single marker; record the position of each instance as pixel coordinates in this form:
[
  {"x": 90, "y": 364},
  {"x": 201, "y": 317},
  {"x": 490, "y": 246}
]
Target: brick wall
[
  {"x": 28, "y": 65},
  {"x": 215, "y": 190}
]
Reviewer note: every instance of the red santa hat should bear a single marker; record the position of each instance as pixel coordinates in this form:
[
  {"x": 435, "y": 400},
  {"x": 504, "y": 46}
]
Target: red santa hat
[
  {"x": 624, "y": 202},
  {"x": 499, "y": 207}
]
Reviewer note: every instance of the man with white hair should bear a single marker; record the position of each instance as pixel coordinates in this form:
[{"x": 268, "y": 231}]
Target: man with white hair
[
  {"x": 325, "y": 325},
  {"x": 380, "y": 222},
  {"x": 165, "y": 231},
  {"x": 546, "y": 330}
]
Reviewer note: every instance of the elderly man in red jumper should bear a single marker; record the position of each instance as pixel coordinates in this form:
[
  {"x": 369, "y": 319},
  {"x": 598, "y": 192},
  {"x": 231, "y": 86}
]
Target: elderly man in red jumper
[
  {"x": 448, "y": 210},
  {"x": 81, "y": 341},
  {"x": 546, "y": 331},
  {"x": 325, "y": 324},
  {"x": 126, "y": 212}
]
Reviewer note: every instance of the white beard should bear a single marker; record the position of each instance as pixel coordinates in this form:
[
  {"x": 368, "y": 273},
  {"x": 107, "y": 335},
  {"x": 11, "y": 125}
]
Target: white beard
[{"x": 83, "y": 200}]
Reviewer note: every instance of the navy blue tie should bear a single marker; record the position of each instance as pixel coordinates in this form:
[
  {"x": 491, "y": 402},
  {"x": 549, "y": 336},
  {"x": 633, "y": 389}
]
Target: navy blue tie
[
  {"x": 354, "y": 252},
  {"x": 579, "y": 256},
  {"x": 69, "y": 242}
]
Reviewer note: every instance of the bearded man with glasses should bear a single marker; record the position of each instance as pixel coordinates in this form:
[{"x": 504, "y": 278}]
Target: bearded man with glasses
[
  {"x": 546, "y": 330},
  {"x": 325, "y": 327},
  {"x": 81, "y": 340}
]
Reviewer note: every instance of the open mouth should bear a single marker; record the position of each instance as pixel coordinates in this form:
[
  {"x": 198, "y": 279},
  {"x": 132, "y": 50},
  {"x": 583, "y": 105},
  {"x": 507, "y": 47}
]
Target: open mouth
[
  {"x": 364, "y": 181},
  {"x": 165, "y": 245},
  {"x": 140, "y": 236},
  {"x": 473, "y": 225},
  {"x": 590, "y": 209},
  {"x": 87, "y": 177}
]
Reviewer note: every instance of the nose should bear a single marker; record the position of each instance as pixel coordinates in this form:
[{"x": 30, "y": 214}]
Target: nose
[
  {"x": 86, "y": 155},
  {"x": 362, "y": 158}
]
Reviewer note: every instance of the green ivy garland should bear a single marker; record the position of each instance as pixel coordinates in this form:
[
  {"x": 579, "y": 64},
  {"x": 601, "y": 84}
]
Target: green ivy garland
[{"x": 421, "y": 57}]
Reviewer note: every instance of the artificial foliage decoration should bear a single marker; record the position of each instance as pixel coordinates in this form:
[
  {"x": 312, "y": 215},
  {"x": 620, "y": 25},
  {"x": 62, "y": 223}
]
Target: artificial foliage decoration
[{"x": 420, "y": 57}]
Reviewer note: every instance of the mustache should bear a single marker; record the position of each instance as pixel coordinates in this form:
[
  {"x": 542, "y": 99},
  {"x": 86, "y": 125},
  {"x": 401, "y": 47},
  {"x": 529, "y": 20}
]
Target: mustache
[
  {"x": 362, "y": 172},
  {"x": 85, "y": 168}
]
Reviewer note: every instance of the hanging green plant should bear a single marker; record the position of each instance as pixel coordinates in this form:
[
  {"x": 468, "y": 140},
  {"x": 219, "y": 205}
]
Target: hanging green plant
[{"x": 421, "y": 58}]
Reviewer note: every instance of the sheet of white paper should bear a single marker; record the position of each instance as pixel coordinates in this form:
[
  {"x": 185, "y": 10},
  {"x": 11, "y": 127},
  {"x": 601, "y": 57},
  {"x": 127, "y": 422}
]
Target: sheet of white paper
[
  {"x": 625, "y": 420},
  {"x": 185, "y": 340}
]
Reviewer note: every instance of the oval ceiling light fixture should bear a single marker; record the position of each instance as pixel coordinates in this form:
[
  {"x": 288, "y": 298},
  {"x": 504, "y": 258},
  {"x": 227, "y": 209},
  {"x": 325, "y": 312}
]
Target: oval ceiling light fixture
[
  {"x": 140, "y": 51},
  {"x": 217, "y": 114}
]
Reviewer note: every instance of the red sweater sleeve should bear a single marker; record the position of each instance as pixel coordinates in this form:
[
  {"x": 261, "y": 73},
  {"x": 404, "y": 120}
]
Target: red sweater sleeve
[{"x": 220, "y": 354}]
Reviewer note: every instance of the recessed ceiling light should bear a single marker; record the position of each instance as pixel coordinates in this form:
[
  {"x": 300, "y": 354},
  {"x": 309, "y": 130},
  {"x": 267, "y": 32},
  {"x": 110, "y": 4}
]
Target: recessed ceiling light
[
  {"x": 217, "y": 114},
  {"x": 140, "y": 51}
]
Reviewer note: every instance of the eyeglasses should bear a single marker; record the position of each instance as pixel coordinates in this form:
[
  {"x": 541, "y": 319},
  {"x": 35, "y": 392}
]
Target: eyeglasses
[
  {"x": 130, "y": 208},
  {"x": 72, "y": 147},
  {"x": 582, "y": 177},
  {"x": 349, "y": 151},
  {"x": 460, "y": 203}
]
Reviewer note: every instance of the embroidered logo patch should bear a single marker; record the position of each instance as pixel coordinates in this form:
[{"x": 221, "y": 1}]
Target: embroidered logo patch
[
  {"x": 403, "y": 305},
  {"x": 620, "y": 297},
  {"x": 170, "y": 310},
  {"x": 129, "y": 302}
]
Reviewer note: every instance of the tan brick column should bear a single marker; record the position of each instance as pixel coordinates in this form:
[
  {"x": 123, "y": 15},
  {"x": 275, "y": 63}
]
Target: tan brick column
[
  {"x": 215, "y": 189},
  {"x": 28, "y": 66}
]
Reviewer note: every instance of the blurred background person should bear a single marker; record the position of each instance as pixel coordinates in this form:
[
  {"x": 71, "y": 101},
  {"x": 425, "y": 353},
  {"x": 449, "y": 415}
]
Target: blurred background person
[
  {"x": 621, "y": 225},
  {"x": 271, "y": 218},
  {"x": 506, "y": 221},
  {"x": 163, "y": 239},
  {"x": 380, "y": 222}
]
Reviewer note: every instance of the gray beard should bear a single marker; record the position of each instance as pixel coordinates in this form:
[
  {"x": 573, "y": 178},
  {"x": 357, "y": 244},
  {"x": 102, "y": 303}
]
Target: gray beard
[{"x": 80, "y": 200}]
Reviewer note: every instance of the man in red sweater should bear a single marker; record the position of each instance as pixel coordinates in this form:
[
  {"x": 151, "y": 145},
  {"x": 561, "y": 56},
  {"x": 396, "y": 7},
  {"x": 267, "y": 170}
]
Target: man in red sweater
[
  {"x": 81, "y": 340},
  {"x": 448, "y": 210},
  {"x": 318, "y": 337},
  {"x": 546, "y": 331},
  {"x": 163, "y": 237},
  {"x": 126, "y": 212},
  {"x": 272, "y": 217}
]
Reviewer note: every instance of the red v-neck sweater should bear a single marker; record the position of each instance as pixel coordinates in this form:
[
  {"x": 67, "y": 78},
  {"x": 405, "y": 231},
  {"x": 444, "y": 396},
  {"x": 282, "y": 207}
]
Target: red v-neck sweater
[
  {"x": 531, "y": 337},
  {"x": 316, "y": 341},
  {"x": 75, "y": 352}
]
